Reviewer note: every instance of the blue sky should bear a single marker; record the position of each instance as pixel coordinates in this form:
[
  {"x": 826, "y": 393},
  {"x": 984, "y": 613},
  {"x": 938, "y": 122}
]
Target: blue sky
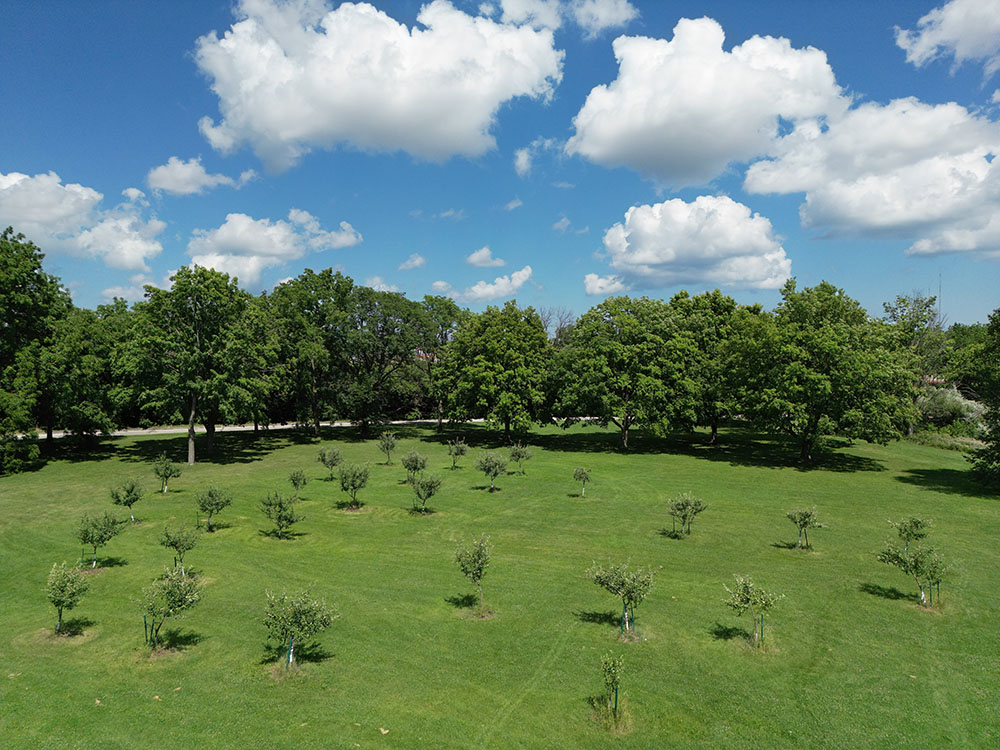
[{"x": 555, "y": 151}]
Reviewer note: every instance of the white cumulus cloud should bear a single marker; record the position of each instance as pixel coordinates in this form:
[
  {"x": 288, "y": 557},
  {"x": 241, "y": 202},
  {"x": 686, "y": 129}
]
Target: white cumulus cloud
[
  {"x": 295, "y": 76},
  {"x": 562, "y": 225},
  {"x": 189, "y": 177},
  {"x": 542, "y": 14},
  {"x": 441, "y": 287},
  {"x": 602, "y": 285},
  {"x": 245, "y": 247},
  {"x": 416, "y": 260},
  {"x": 962, "y": 29},
  {"x": 68, "y": 217},
  {"x": 712, "y": 240},
  {"x": 681, "y": 110},
  {"x": 380, "y": 285},
  {"x": 906, "y": 169},
  {"x": 502, "y": 286},
  {"x": 516, "y": 203},
  {"x": 524, "y": 158},
  {"x": 483, "y": 258},
  {"x": 595, "y": 16}
]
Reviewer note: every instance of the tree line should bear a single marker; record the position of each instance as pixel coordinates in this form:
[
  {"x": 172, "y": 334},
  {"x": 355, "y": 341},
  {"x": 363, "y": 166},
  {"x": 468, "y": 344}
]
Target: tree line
[{"x": 320, "y": 347}]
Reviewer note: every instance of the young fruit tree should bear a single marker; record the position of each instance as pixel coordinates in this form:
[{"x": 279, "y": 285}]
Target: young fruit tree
[
  {"x": 424, "y": 488},
  {"x": 298, "y": 480},
  {"x": 65, "y": 588},
  {"x": 612, "y": 668},
  {"x": 473, "y": 562},
  {"x": 582, "y": 476},
  {"x": 96, "y": 531},
  {"x": 414, "y": 463},
  {"x": 492, "y": 465},
  {"x": 165, "y": 470},
  {"x": 127, "y": 495},
  {"x": 330, "y": 458},
  {"x": 456, "y": 449},
  {"x": 280, "y": 511},
  {"x": 168, "y": 596},
  {"x": 387, "y": 444},
  {"x": 352, "y": 479},
  {"x": 519, "y": 453},
  {"x": 922, "y": 564},
  {"x": 911, "y": 529},
  {"x": 628, "y": 584},
  {"x": 213, "y": 501},
  {"x": 804, "y": 519},
  {"x": 298, "y": 617},
  {"x": 747, "y": 596},
  {"x": 180, "y": 541},
  {"x": 684, "y": 508}
]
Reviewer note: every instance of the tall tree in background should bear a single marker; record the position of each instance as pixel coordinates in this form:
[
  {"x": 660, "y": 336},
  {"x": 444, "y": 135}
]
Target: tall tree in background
[
  {"x": 626, "y": 365},
  {"x": 987, "y": 459},
  {"x": 443, "y": 317},
  {"x": 495, "y": 368},
  {"x": 189, "y": 350},
  {"x": 820, "y": 366}
]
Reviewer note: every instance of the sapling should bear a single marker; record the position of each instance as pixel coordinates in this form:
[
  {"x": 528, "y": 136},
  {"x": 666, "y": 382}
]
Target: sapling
[
  {"x": 212, "y": 501},
  {"x": 330, "y": 458},
  {"x": 291, "y": 618},
  {"x": 414, "y": 463},
  {"x": 612, "y": 668},
  {"x": 387, "y": 444},
  {"x": 425, "y": 488},
  {"x": 684, "y": 508},
  {"x": 168, "y": 596},
  {"x": 352, "y": 479},
  {"x": 473, "y": 562},
  {"x": 298, "y": 480},
  {"x": 804, "y": 519},
  {"x": 922, "y": 564},
  {"x": 492, "y": 465},
  {"x": 582, "y": 476},
  {"x": 631, "y": 585},
  {"x": 165, "y": 470},
  {"x": 65, "y": 588},
  {"x": 96, "y": 531},
  {"x": 180, "y": 541},
  {"x": 747, "y": 596},
  {"x": 127, "y": 495},
  {"x": 280, "y": 511},
  {"x": 519, "y": 453},
  {"x": 456, "y": 449}
]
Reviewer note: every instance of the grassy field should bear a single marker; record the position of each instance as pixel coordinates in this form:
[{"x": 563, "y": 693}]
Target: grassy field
[{"x": 850, "y": 660}]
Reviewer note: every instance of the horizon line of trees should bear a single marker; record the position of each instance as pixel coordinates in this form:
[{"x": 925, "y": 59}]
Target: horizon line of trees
[{"x": 320, "y": 347}]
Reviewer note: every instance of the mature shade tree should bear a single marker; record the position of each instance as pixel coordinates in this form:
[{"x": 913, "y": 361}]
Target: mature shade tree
[
  {"x": 170, "y": 595},
  {"x": 520, "y": 453},
  {"x": 65, "y": 588},
  {"x": 425, "y": 488},
  {"x": 192, "y": 352},
  {"x": 631, "y": 585},
  {"x": 986, "y": 461},
  {"x": 820, "y": 365},
  {"x": 456, "y": 449},
  {"x": 165, "y": 470},
  {"x": 353, "y": 478},
  {"x": 804, "y": 519},
  {"x": 181, "y": 541},
  {"x": 492, "y": 464},
  {"x": 495, "y": 368},
  {"x": 969, "y": 367},
  {"x": 626, "y": 366},
  {"x": 746, "y": 596},
  {"x": 582, "y": 476},
  {"x": 684, "y": 508},
  {"x": 213, "y": 501},
  {"x": 915, "y": 322},
  {"x": 473, "y": 562},
  {"x": 330, "y": 458},
  {"x": 414, "y": 463},
  {"x": 127, "y": 495},
  {"x": 97, "y": 531},
  {"x": 280, "y": 511},
  {"x": 442, "y": 317},
  {"x": 387, "y": 444},
  {"x": 295, "y": 618}
]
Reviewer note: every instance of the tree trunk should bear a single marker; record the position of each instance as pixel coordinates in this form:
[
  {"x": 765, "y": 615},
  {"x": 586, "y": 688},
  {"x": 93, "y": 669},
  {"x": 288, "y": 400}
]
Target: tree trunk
[
  {"x": 624, "y": 435},
  {"x": 256, "y": 427},
  {"x": 133, "y": 514},
  {"x": 291, "y": 649},
  {"x": 59, "y": 624},
  {"x": 192, "y": 413},
  {"x": 506, "y": 431},
  {"x": 480, "y": 587},
  {"x": 209, "y": 437},
  {"x": 583, "y": 490},
  {"x": 48, "y": 433},
  {"x": 714, "y": 439},
  {"x": 805, "y": 449},
  {"x": 94, "y": 563}
]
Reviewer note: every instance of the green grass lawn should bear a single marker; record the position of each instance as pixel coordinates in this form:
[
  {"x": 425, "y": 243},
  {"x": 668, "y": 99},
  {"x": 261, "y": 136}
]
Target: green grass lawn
[{"x": 851, "y": 660}]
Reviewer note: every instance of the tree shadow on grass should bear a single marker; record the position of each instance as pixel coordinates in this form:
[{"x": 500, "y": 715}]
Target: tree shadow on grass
[
  {"x": 109, "y": 562},
  {"x": 462, "y": 601},
  {"x": 671, "y": 534},
  {"x": 428, "y": 511},
  {"x": 722, "y": 632},
  {"x": 75, "y": 626},
  {"x": 783, "y": 545},
  {"x": 950, "y": 481},
  {"x": 285, "y": 535},
  {"x": 884, "y": 592},
  {"x": 613, "y": 619},
  {"x": 176, "y": 639},
  {"x": 311, "y": 652},
  {"x": 348, "y": 505}
]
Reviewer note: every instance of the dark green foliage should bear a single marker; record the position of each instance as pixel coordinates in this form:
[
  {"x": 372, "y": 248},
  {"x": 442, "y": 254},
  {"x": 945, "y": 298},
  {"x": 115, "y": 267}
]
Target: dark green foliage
[
  {"x": 212, "y": 501},
  {"x": 804, "y": 519},
  {"x": 173, "y": 593},
  {"x": 425, "y": 488},
  {"x": 684, "y": 508},
  {"x": 127, "y": 495},
  {"x": 414, "y": 463},
  {"x": 519, "y": 453},
  {"x": 492, "y": 464},
  {"x": 165, "y": 470},
  {"x": 986, "y": 461},
  {"x": 330, "y": 458},
  {"x": 631, "y": 585},
  {"x": 295, "y": 618},
  {"x": 180, "y": 541},
  {"x": 353, "y": 478},
  {"x": 280, "y": 511},
  {"x": 97, "y": 531},
  {"x": 65, "y": 588},
  {"x": 746, "y": 596},
  {"x": 473, "y": 562}
]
